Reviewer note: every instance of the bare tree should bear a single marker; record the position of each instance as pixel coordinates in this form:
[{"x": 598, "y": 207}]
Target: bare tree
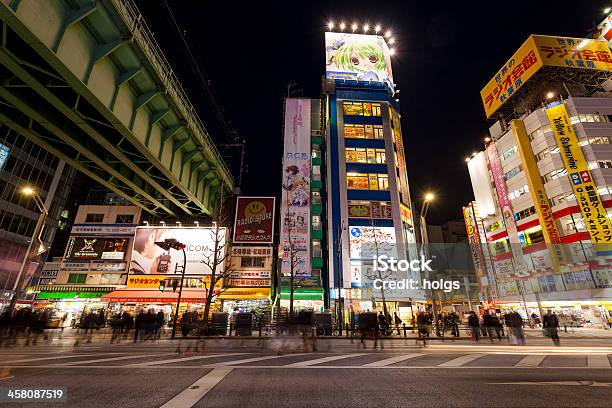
[{"x": 377, "y": 273}]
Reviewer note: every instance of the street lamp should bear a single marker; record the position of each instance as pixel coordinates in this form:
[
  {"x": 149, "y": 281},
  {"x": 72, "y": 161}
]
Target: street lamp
[
  {"x": 18, "y": 286},
  {"x": 429, "y": 197},
  {"x": 174, "y": 244}
]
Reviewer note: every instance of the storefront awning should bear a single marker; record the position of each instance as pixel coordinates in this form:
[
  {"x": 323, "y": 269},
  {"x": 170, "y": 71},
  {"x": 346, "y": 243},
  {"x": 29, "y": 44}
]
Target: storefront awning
[
  {"x": 303, "y": 294},
  {"x": 245, "y": 293},
  {"x": 70, "y": 295},
  {"x": 156, "y": 296}
]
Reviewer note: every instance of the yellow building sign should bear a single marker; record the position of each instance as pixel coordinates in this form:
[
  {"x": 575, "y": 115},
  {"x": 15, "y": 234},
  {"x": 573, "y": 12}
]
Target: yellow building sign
[
  {"x": 539, "y": 51},
  {"x": 587, "y": 197}
]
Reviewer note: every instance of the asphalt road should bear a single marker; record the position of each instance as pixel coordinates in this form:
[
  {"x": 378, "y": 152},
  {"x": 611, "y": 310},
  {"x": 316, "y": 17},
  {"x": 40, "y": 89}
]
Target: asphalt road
[{"x": 442, "y": 375}]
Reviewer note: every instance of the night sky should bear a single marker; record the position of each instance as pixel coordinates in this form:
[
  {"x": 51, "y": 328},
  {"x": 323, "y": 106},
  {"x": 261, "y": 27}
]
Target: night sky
[{"x": 249, "y": 51}]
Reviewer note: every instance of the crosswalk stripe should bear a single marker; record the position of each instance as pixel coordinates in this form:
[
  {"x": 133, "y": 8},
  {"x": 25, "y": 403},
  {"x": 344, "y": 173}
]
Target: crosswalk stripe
[
  {"x": 100, "y": 360},
  {"x": 393, "y": 360},
  {"x": 196, "y": 391},
  {"x": 322, "y": 360},
  {"x": 27, "y": 360},
  {"x": 598, "y": 361},
  {"x": 459, "y": 361},
  {"x": 179, "y": 360},
  {"x": 532, "y": 360},
  {"x": 250, "y": 360}
]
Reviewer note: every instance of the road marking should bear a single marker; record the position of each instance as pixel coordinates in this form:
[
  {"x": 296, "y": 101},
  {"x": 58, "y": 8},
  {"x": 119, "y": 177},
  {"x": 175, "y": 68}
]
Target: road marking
[
  {"x": 598, "y": 360},
  {"x": 100, "y": 360},
  {"x": 532, "y": 360},
  {"x": 249, "y": 360},
  {"x": 459, "y": 361},
  {"x": 179, "y": 360},
  {"x": 564, "y": 383},
  {"x": 323, "y": 360},
  {"x": 394, "y": 360},
  {"x": 27, "y": 360},
  {"x": 196, "y": 391}
]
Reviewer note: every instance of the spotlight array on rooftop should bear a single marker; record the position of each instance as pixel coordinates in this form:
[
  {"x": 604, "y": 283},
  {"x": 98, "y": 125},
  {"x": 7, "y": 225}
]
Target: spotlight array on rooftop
[{"x": 362, "y": 29}]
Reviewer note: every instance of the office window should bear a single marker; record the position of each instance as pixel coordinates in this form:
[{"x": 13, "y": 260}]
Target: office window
[
  {"x": 524, "y": 213},
  {"x": 94, "y": 218},
  {"x": 383, "y": 182},
  {"x": 77, "y": 278},
  {"x": 316, "y": 222},
  {"x": 110, "y": 279},
  {"x": 124, "y": 219},
  {"x": 316, "y": 249},
  {"x": 316, "y": 197},
  {"x": 251, "y": 262},
  {"x": 513, "y": 172},
  {"x": 363, "y": 131},
  {"x": 509, "y": 152}
]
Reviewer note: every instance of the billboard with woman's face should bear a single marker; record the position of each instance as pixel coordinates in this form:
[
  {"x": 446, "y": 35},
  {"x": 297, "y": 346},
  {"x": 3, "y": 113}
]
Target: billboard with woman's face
[{"x": 150, "y": 259}]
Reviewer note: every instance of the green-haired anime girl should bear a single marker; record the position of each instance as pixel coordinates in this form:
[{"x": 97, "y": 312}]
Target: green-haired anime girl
[{"x": 367, "y": 60}]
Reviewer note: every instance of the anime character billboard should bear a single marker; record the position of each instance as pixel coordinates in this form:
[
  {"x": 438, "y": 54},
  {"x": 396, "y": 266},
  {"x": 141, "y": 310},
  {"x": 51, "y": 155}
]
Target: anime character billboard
[{"x": 357, "y": 56}]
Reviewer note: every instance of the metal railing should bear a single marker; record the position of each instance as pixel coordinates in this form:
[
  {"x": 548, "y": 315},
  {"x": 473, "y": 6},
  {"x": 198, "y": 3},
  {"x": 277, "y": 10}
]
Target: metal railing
[{"x": 143, "y": 36}]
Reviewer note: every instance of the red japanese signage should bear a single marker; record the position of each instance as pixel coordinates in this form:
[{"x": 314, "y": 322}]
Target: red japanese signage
[{"x": 254, "y": 222}]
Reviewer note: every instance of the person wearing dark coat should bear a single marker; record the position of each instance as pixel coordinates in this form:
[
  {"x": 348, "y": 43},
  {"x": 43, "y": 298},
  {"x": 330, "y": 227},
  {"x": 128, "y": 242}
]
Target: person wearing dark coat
[{"x": 551, "y": 325}]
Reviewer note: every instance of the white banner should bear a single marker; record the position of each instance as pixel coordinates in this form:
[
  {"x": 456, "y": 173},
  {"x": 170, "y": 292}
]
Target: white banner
[{"x": 295, "y": 201}]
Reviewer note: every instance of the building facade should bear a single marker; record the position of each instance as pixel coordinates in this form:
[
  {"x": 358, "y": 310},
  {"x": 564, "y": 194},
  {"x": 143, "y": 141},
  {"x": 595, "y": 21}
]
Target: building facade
[
  {"x": 542, "y": 185},
  {"x": 95, "y": 261},
  {"x": 22, "y": 164}
]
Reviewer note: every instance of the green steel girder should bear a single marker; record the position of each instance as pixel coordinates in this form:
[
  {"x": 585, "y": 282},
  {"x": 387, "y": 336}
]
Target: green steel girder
[
  {"x": 74, "y": 162},
  {"x": 8, "y": 60},
  {"x": 170, "y": 128}
]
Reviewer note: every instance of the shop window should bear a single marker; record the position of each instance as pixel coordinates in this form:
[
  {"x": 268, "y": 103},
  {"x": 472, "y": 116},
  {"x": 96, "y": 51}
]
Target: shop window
[
  {"x": 94, "y": 218},
  {"x": 124, "y": 219},
  {"x": 77, "y": 278},
  {"x": 363, "y": 131},
  {"x": 357, "y": 181},
  {"x": 358, "y": 155},
  {"x": 361, "y": 109},
  {"x": 518, "y": 192},
  {"x": 110, "y": 279},
  {"x": 252, "y": 262},
  {"x": 542, "y": 155}
]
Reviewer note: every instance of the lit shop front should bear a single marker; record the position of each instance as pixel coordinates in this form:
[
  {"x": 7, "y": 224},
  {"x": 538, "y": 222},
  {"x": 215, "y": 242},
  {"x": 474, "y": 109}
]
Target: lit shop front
[
  {"x": 575, "y": 313},
  {"x": 71, "y": 301},
  {"x": 304, "y": 298},
  {"x": 248, "y": 284}
]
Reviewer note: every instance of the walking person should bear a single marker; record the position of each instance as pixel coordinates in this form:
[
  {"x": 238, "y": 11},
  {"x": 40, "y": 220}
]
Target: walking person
[
  {"x": 138, "y": 324},
  {"x": 516, "y": 322},
  {"x": 397, "y": 321},
  {"x": 551, "y": 325},
  {"x": 474, "y": 324}
]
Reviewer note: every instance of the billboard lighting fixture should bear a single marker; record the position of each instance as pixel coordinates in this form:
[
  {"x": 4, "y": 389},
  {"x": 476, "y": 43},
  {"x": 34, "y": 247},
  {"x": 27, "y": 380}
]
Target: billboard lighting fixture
[
  {"x": 391, "y": 40},
  {"x": 197, "y": 223},
  {"x": 607, "y": 10},
  {"x": 467, "y": 159},
  {"x": 377, "y": 28},
  {"x": 354, "y": 27},
  {"x": 391, "y": 51},
  {"x": 388, "y": 34},
  {"x": 342, "y": 26},
  {"x": 330, "y": 25},
  {"x": 366, "y": 28}
]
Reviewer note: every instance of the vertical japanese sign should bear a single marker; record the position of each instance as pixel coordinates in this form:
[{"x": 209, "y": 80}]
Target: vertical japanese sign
[
  {"x": 587, "y": 197},
  {"x": 471, "y": 227},
  {"x": 295, "y": 202},
  {"x": 254, "y": 221},
  {"x": 538, "y": 194}
]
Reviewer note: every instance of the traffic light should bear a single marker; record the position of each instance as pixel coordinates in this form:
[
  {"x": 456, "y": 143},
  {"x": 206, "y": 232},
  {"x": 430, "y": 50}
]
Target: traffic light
[
  {"x": 162, "y": 285},
  {"x": 174, "y": 284},
  {"x": 170, "y": 243}
]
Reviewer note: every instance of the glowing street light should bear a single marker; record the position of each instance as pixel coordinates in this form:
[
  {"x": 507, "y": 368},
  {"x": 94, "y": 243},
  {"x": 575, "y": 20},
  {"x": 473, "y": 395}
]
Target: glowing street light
[
  {"x": 429, "y": 197},
  {"x": 550, "y": 95},
  {"x": 27, "y": 191},
  {"x": 388, "y": 34}
]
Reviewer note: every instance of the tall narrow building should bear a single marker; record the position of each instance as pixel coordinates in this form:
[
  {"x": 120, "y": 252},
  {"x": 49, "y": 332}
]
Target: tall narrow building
[{"x": 369, "y": 210}]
